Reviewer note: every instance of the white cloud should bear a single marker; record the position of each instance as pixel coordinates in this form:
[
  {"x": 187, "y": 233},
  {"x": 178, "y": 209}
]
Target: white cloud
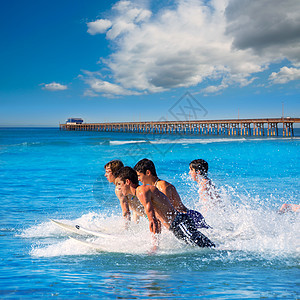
[
  {"x": 285, "y": 75},
  {"x": 214, "y": 88},
  {"x": 105, "y": 88},
  {"x": 198, "y": 41},
  {"x": 90, "y": 93},
  {"x": 54, "y": 86},
  {"x": 127, "y": 16},
  {"x": 99, "y": 26}
]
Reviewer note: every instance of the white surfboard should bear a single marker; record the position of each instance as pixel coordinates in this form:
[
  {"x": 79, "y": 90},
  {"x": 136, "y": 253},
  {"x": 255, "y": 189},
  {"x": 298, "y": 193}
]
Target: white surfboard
[
  {"x": 88, "y": 244},
  {"x": 81, "y": 230}
]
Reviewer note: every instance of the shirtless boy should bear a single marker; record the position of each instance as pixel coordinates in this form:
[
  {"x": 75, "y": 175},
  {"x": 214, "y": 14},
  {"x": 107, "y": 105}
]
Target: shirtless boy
[
  {"x": 127, "y": 202},
  {"x": 207, "y": 191},
  {"x": 289, "y": 208},
  {"x": 159, "y": 210},
  {"x": 146, "y": 172}
]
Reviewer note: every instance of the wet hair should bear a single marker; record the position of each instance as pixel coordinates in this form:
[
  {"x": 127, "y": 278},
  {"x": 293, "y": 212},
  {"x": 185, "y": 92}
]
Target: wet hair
[
  {"x": 199, "y": 165},
  {"x": 145, "y": 164},
  {"x": 128, "y": 173},
  {"x": 115, "y": 165}
]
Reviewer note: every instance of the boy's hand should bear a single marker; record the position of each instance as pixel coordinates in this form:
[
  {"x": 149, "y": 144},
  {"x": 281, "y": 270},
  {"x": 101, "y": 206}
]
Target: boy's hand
[{"x": 154, "y": 226}]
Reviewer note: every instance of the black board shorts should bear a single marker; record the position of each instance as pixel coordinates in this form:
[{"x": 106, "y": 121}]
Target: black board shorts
[
  {"x": 184, "y": 229},
  {"x": 198, "y": 219}
]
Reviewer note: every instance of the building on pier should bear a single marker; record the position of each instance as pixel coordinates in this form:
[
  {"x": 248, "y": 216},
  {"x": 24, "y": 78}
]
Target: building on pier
[{"x": 74, "y": 121}]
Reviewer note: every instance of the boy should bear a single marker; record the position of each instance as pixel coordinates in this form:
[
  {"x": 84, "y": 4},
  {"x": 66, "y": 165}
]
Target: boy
[
  {"x": 289, "y": 208},
  {"x": 207, "y": 191},
  {"x": 146, "y": 172},
  {"x": 127, "y": 202},
  {"x": 159, "y": 210}
]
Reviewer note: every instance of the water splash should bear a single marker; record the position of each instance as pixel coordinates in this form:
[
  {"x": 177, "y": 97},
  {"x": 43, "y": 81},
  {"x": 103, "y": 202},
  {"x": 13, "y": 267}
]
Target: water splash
[{"x": 240, "y": 227}]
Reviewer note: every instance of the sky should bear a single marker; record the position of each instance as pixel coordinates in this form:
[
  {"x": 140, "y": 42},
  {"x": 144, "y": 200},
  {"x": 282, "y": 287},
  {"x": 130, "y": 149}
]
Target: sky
[{"x": 110, "y": 61}]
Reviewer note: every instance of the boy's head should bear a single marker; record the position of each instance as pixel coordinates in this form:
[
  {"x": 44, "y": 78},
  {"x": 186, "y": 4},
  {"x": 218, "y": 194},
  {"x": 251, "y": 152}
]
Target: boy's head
[
  {"x": 145, "y": 169},
  {"x": 124, "y": 177},
  {"x": 200, "y": 166},
  {"x": 127, "y": 173},
  {"x": 111, "y": 169},
  {"x": 145, "y": 164}
]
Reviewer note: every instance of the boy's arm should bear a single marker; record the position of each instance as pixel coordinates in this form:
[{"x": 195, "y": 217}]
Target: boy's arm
[
  {"x": 145, "y": 198},
  {"x": 124, "y": 204},
  {"x": 135, "y": 217}
]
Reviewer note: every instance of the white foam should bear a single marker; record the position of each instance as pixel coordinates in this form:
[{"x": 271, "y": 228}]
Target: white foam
[
  {"x": 135, "y": 240},
  {"x": 116, "y": 143},
  {"x": 187, "y": 141},
  {"x": 244, "y": 226},
  {"x": 197, "y": 141},
  {"x": 250, "y": 225}
]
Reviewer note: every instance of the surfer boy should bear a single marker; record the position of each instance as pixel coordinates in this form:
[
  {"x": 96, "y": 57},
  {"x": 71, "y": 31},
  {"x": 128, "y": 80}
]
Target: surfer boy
[
  {"x": 146, "y": 172},
  {"x": 289, "y": 208},
  {"x": 207, "y": 191},
  {"x": 159, "y": 209},
  {"x": 128, "y": 202}
]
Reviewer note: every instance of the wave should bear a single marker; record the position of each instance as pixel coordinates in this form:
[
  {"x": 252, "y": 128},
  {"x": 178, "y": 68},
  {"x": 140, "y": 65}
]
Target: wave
[
  {"x": 54, "y": 241},
  {"x": 214, "y": 140},
  {"x": 171, "y": 140},
  {"x": 155, "y": 139},
  {"x": 39, "y": 144},
  {"x": 197, "y": 141},
  {"x": 115, "y": 143}
]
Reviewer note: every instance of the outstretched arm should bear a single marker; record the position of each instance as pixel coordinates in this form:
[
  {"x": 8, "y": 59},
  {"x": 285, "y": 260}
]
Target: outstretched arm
[
  {"x": 124, "y": 206},
  {"x": 135, "y": 217},
  {"x": 289, "y": 207},
  {"x": 145, "y": 198}
]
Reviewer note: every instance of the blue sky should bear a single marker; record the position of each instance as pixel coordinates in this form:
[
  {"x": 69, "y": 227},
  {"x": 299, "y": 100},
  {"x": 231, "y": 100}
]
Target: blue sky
[{"x": 110, "y": 61}]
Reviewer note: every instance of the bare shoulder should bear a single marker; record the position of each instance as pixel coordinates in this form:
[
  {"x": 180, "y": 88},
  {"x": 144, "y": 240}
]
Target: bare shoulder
[
  {"x": 146, "y": 191},
  {"x": 119, "y": 194},
  {"x": 163, "y": 184},
  {"x": 166, "y": 187},
  {"x": 145, "y": 188}
]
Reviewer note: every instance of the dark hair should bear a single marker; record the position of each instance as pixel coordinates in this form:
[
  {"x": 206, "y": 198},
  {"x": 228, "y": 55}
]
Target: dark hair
[
  {"x": 145, "y": 164},
  {"x": 115, "y": 165},
  {"x": 128, "y": 173},
  {"x": 199, "y": 165}
]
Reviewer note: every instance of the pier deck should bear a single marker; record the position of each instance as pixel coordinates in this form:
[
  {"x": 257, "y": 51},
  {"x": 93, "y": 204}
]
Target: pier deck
[{"x": 244, "y": 127}]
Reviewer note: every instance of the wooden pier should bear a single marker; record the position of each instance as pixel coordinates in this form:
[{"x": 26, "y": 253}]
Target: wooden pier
[{"x": 234, "y": 127}]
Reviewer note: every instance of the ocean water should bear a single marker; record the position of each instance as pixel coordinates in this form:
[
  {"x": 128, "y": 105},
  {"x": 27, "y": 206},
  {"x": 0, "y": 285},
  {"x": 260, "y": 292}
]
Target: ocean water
[{"x": 51, "y": 174}]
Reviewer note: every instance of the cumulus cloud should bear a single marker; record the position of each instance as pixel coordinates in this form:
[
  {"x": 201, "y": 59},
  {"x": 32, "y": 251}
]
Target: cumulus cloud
[
  {"x": 128, "y": 16},
  {"x": 99, "y": 26},
  {"x": 105, "y": 88},
  {"x": 270, "y": 27},
  {"x": 195, "y": 42},
  {"x": 285, "y": 75},
  {"x": 54, "y": 86},
  {"x": 214, "y": 88}
]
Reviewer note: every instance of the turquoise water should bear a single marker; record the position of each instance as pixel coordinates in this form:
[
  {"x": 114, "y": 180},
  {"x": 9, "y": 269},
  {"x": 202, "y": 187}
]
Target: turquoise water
[{"x": 47, "y": 173}]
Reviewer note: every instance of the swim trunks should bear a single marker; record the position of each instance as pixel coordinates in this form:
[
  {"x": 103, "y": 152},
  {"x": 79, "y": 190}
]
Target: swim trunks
[
  {"x": 184, "y": 229},
  {"x": 198, "y": 219}
]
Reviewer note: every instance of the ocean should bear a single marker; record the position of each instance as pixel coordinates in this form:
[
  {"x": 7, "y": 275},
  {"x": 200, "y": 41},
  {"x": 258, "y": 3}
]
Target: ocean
[{"x": 51, "y": 174}]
